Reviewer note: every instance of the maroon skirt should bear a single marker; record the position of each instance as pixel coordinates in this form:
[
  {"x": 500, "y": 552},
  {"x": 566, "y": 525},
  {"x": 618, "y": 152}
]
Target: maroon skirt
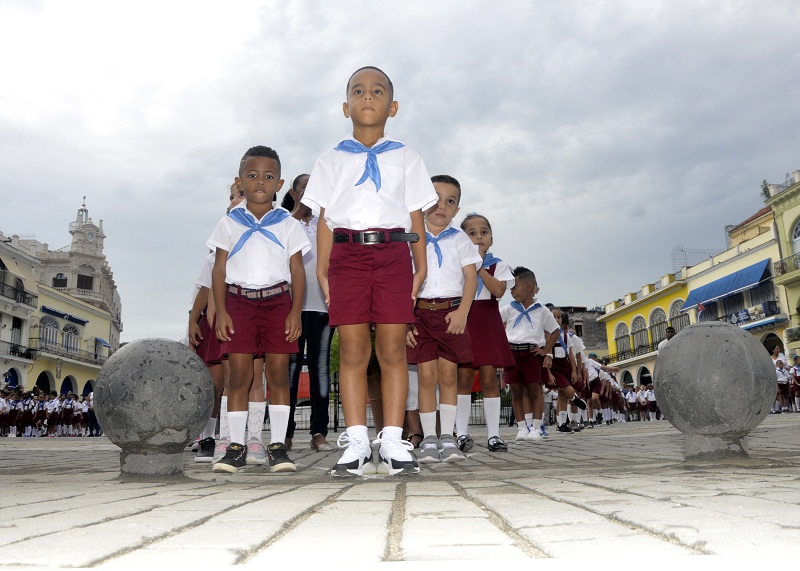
[{"x": 488, "y": 336}]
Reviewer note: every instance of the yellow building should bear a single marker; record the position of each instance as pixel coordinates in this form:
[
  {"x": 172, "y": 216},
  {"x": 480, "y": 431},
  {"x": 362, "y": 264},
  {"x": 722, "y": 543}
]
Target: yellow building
[
  {"x": 785, "y": 202},
  {"x": 61, "y": 307},
  {"x": 735, "y": 286}
]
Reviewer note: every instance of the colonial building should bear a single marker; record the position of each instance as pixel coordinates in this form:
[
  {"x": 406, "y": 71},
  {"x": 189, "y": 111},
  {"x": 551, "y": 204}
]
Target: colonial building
[
  {"x": 583, "y": 321},
  {"x": 735, "y": 286},
  {"x": 19, "y": 300},
  {"x": 785, "y": 202},
  {"x": 78, "y": 318}
]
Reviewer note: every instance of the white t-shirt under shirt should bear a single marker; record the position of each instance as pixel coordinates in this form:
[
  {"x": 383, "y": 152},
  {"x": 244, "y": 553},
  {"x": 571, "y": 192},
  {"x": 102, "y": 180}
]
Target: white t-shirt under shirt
[
  {"x": 260, "y": 263},
  {"x": 405, "y": 187},
  {"x": 448, "y": 281},
  {"x": 313, "y": 300},
  {"x": 542, "y": 323}
]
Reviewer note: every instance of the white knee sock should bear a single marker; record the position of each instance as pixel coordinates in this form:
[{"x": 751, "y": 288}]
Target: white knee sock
[
  {"x": 447, "y": 417},
  {"x": 278, "y": 422},
  {"x": 211, "y": 426},
  {"x": 238, "y": 426},
  {"x": 462, "y": 414},
  {"x": 491, "y": 410},
  {"x": 255, "y": 419},
  {"x": 428, "y": 422},
  {"x": 224, "y": 426}
]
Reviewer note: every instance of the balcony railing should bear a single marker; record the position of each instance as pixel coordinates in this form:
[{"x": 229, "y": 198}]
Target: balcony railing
[
  {"x": 635, "y": 352},
  {"x": 61, "y": 350},
  {"x": 19, "y": 295},
  {"x": 787, "y": 265},
  {"x": 16, "y": 350}
]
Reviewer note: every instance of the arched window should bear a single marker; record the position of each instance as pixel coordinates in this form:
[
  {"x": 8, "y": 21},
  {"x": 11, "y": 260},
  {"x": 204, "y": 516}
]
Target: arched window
[
  {"x": 658, "y": 325},
  {"x": 70, "y": 337},
  {"x": 677, "y": 319},
  {"x": 48, "y": 331},
  {"x": 641, "y": 343},
  {"x": 623, "y": 341},
  {"x": 796, "y": 237}
]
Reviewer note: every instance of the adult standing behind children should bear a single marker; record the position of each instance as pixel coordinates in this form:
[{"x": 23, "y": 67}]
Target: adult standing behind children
[
  {"x": 315, "y": 340},
  {"x": 371, "y": 191}
]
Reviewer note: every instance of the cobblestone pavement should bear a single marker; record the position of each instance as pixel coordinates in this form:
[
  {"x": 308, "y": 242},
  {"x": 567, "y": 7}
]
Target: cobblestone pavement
[{"x": 620, "y": 492}]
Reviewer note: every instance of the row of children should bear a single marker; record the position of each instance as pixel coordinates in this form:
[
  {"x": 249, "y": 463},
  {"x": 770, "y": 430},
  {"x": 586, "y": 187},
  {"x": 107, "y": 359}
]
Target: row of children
[
  {"x": 35, "y": 413},
  {"x": 390, "y": 260},
  {"x": 788, "y": 395}
]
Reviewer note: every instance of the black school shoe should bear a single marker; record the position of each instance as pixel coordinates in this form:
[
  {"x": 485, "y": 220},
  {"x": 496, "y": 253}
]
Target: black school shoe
[
  {"x": 205, "y": 454},
  {"x": 235, "y": 458},
  {"x": 279, "y": 460},
  {"x": 496, "y": 444},
  {"x": 565, "y": 429}
]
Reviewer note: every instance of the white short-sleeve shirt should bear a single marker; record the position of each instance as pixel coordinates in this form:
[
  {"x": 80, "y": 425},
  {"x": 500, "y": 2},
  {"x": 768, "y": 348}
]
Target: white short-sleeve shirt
[
  {"x": 558, "y": 350},
  {"x": 204, "y": 279},
  {"x": 458, "y": 251},
  {"x": 502, "y": 272},
  {"x": 405, "y": 187},
  {"x": 260, "y": 263},
  {"x": 542, "y": 323}
]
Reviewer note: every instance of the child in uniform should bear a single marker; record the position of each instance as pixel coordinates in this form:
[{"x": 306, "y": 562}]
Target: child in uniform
[
  {"x": 487, "y": 337},
  {"x": 370, "y": 191},
  {"x": 438, "y": 342},
  {"x": 258, "y": 262},
  {"x": 532, "y": 331}
]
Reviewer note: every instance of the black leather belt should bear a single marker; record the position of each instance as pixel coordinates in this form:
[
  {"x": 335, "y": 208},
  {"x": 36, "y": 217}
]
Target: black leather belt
[
  {"x": 370, "y": 237},
  {"x": 523, "y": 346}
]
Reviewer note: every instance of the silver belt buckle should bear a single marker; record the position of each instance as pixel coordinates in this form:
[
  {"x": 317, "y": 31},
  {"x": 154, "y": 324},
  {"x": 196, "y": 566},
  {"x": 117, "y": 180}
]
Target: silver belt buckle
[{"x": 370, "y": 237}]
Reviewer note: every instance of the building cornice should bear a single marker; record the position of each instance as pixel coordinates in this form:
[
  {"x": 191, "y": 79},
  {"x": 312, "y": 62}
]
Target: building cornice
[{"x": 639, "y": 301}]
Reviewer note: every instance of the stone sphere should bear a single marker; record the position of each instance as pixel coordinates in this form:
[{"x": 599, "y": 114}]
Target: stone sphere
[
  {"x": 152, "y": 398},
  {"x": 714, "y": 382}
]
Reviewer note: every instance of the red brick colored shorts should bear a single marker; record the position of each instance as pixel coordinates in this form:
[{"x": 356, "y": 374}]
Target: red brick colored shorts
[
  {"x": 370, "y": 283},
  {"x": 528, "y": 369},
  {"x": 433, "y": 340},
  {"x": 259, "y": 325}
]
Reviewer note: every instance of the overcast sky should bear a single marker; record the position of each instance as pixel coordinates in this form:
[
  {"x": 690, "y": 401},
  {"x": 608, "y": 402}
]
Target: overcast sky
[{"x": 595, "y": 136}]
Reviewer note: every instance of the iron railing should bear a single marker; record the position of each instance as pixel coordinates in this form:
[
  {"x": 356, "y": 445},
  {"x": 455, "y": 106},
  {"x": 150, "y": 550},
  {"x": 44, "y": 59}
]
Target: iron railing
[{"x": 62, "y": 350}]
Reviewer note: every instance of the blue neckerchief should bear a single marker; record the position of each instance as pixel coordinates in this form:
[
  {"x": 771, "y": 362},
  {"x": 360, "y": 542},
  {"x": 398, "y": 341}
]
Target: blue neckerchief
[
  {"x": 563, "y": 345},
  {"x": 524, "y": 312},
  {"x": 371, "y": 170},
  {"x": 245, "y": 218},
  {"x": 488, "y": 261},
  {"x": 435, "y": 241}
]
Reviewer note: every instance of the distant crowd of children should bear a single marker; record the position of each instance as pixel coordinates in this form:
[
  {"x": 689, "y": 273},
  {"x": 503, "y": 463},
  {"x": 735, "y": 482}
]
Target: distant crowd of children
[
  {"x": 39, "y": 414},
  {"x": 367, "y": 244}
]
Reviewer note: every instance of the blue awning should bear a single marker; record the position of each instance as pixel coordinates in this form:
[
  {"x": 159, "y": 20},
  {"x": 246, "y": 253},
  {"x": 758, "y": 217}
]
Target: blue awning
[
  {"x": 764, "y": 322},
  {"x": 52, "y": 311},
  {"x": 734, "y": 283},
  {"x": 103, "y": 342},
  {"x": 77, "y": 320}
]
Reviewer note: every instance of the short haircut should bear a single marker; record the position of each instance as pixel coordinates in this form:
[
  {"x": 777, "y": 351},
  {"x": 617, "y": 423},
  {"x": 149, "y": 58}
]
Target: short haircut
[
  {"x": 473, "y": 216},
  {"x": 525, "y": 275},
  {"x": 564, "y": 317},
  {"x": 391, "y": 85},
  {"x": 260, "y": 151},
  {"x": 287, "y": 202},
  {"x": 447, "y": 179}
]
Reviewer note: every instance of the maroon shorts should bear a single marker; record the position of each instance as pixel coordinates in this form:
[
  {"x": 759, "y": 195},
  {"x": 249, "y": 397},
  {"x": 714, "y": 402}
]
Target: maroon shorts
[
  {"x": 370, "y": 283},
  {"x": 596, "y": 386},
  {"x": 528, "y": 369},
  {"x": 562, "y": 372},
  {"x": 259, "y": 325},
  {"x": 433, "y": 340},
  {"x": 487, "y": 335},
  {"x": 209, "y": 349},
  {"x": 783, "y": 389}
]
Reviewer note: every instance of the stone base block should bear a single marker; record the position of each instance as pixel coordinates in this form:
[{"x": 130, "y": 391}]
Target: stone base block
[
  {"x": 153, "y": 464},
  {"x": 698, "y": 446}
]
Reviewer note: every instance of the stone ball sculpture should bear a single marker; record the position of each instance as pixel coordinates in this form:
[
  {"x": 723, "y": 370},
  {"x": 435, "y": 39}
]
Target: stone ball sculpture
[
  {"x": 152, "y": 398},
  {"x": 715, "y": 383}
]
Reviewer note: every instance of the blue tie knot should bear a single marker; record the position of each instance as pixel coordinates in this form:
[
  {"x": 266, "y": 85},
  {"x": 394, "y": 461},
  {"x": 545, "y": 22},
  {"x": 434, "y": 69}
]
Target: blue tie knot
[
  {"x": 526, "y": 313},
  {"x": 243, "y": 217},
  {"x": 371, "y": 169},
  {"x": 435, "y": 241}
]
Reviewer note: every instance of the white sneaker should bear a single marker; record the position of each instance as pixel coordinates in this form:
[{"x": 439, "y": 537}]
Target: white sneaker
[
  {"x": 522, "y": 434},
  {"x": 533, "y": 435},
  {"x": 356, "y": 459},
  {"x": 395, "y": 456}
]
